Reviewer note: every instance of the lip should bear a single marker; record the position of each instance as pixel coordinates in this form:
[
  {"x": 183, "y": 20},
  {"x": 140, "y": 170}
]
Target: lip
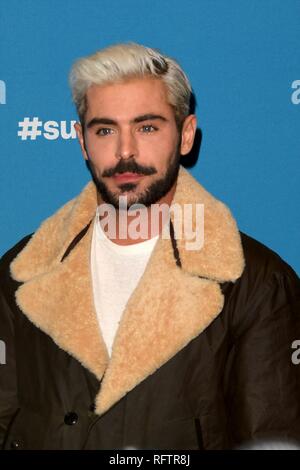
[{"x": 121, "y": 177}]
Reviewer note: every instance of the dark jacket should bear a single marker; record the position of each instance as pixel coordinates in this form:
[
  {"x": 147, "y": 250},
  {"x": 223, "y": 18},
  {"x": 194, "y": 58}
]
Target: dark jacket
[{"x": 203, "y": 354}]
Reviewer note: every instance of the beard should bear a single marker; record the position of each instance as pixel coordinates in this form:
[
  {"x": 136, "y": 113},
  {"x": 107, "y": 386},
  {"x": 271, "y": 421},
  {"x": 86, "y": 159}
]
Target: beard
[{"x": 150, "y": 195}]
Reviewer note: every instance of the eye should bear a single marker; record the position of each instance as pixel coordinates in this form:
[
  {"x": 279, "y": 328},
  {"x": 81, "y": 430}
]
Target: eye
[
  {"x": 104, "y": 131},
  {"x": 148, "y": 128}
]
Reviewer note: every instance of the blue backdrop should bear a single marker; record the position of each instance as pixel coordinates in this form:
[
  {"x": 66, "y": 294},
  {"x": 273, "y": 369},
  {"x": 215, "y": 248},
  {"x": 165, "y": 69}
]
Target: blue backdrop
[{"x": 242, "y": 58}]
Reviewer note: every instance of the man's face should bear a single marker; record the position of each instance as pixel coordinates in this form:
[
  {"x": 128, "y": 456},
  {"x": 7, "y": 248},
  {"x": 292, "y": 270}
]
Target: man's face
[{"x": 131, "y": 141}]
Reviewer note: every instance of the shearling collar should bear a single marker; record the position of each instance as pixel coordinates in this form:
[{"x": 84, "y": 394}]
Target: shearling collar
[{"x": 160, "y": 317}]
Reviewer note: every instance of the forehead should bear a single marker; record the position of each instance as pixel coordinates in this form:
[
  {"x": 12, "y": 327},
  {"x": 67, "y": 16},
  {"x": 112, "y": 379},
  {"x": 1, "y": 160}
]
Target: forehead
[{"x": 128, "y": 98}]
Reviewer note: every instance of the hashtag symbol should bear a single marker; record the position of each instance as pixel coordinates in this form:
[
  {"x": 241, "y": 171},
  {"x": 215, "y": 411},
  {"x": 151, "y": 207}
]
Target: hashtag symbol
[{"x": 29, "y": 128}]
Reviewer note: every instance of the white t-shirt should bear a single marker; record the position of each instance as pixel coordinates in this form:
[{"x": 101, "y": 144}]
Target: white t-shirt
[{"x": 116, "y": 270}]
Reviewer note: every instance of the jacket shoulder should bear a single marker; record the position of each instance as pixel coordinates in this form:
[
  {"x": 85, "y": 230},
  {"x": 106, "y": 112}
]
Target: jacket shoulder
[
  {"x": 267, "y": 289},
  {"x": 267, "y": 284},
  {"x": 262, "y": 261}
]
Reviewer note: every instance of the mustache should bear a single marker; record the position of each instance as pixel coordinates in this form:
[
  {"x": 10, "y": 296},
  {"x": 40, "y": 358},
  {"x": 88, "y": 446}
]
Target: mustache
[{"x": 130, "y": 166}]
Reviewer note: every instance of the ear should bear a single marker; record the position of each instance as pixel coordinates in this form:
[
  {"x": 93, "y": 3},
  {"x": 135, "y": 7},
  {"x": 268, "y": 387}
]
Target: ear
[
  {"x": 79, "y": 132},
  {"x": 188, "y": 134}
]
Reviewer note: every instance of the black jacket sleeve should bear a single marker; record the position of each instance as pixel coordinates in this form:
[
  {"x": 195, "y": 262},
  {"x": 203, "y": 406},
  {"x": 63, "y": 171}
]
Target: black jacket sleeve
[
  {"x": 8, "y": 379},
  {"x": 264, "y": 390},
  {"x": 8, "y": 362}
]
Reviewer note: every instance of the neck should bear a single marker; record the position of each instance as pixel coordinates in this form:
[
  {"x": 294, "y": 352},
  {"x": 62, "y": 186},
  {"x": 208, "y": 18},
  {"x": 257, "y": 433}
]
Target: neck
[{"x": 140, "y": 225}]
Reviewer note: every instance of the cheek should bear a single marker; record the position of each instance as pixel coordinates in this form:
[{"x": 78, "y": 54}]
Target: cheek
[
  {"x": 164, "y": 151},
  {"x": 156, "y": 145},
  {"x": 97, "y": 144},
  {"x": 101, "y": 151}
]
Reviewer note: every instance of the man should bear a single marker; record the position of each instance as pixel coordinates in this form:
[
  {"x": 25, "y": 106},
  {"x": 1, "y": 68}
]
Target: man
[{"x": 120, "y": 338}]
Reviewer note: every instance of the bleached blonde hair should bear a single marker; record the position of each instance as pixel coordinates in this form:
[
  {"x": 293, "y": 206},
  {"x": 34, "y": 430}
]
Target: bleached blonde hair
[{"x": 130, "y": 60}]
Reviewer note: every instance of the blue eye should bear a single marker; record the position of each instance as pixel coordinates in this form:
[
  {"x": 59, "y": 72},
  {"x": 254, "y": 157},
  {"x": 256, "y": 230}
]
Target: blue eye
[
  {"x": 149, "y": 128},
  {"x": 104, "y": 131}
]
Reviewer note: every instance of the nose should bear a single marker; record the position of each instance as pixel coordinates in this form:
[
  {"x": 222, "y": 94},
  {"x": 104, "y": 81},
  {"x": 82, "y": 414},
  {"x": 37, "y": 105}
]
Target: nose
[{"x": 126, "y": 147}]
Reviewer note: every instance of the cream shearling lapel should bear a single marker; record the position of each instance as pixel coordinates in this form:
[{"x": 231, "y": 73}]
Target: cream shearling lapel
[{"x": 169, "y": 307}]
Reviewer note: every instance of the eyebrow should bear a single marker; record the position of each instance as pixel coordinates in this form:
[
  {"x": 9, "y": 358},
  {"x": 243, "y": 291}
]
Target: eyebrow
[{"x": 144, "y": 117}]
